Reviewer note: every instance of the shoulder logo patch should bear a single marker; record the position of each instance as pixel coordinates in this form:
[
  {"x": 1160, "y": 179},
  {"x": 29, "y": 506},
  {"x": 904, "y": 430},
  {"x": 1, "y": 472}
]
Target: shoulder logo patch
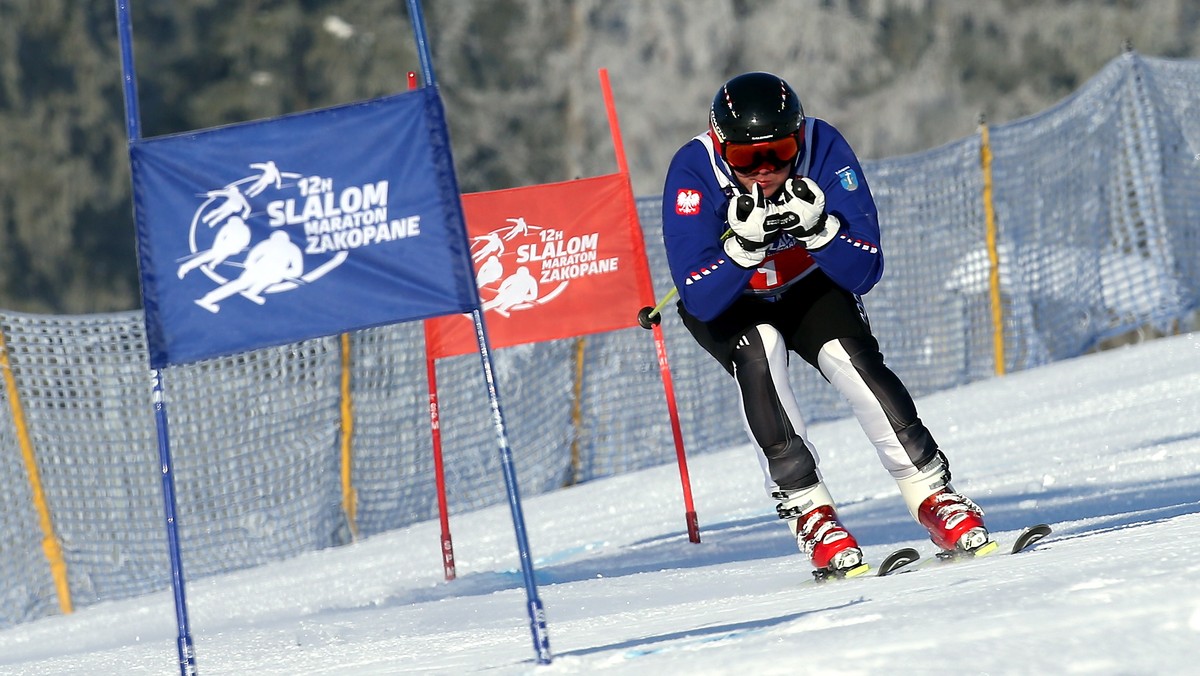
[
  {"x": 849, "y": 179},
  {"x": 687, "y": 202}
]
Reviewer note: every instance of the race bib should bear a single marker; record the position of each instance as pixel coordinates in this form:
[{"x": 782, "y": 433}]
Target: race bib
[{"x": 780, "y": 268}]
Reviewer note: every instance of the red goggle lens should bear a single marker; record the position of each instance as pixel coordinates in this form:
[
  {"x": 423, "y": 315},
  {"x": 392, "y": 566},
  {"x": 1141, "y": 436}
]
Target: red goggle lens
[{"x": 747, "y": 157}]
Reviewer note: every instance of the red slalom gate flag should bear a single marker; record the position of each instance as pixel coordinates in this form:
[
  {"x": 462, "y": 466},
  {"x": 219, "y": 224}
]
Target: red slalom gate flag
[{"x": 551, "y": 261}]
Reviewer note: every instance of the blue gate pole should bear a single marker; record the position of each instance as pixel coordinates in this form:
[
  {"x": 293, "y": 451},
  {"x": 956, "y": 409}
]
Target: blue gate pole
[
  {"x": 187, "y": 651},
  {"x": 537, "y": 614},
  {"x": 185, "y": 648}
]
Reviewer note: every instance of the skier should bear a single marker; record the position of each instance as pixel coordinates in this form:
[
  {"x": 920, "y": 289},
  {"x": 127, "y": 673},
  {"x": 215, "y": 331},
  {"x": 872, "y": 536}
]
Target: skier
[{"x": 772, "y": 236}]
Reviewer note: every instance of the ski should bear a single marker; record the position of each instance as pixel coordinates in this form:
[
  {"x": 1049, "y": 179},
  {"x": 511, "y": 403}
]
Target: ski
[
  {"x": 1030, "y": 536},
  {"x": 823, "y": 575},
  {"x": 897, "y": 560},
  {"x": 891, "y": 563},
  {"x": 1025, "y": 540}
]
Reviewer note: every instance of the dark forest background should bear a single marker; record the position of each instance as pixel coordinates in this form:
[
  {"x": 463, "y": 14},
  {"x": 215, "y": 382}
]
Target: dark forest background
[{"x": 519, "y": 78}]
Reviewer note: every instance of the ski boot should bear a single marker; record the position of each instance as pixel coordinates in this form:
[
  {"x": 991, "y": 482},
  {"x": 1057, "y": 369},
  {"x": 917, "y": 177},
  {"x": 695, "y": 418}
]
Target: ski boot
[
  {"x": 954, "y": 522},
  {"x": 812, "y": 518}
]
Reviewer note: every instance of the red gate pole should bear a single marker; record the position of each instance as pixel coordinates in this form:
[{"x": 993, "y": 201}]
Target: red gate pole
[
  {"x": 435, "y": 429},
  {"x": 660, "y": 346}
]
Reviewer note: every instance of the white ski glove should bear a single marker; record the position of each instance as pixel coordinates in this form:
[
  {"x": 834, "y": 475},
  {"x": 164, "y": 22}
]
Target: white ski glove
[
  {"x": 802, "y": 204},
  {"x": 753, "y": 228}
]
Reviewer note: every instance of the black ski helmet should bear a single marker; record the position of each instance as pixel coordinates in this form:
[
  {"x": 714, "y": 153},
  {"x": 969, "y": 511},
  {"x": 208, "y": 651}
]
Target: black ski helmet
[{"x": 755, "y": 107}]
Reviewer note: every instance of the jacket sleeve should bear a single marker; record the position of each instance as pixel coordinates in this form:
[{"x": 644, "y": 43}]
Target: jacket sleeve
[
  {"x": 693, "y": 222},
  {"x": 854, "y": 259}
]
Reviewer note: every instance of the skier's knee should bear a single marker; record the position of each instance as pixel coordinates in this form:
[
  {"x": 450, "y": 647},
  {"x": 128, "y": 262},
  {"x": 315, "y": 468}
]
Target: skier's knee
[
  {"x": 791, "y": 464},
  {"x": 862, "y": 353},
  {"x": 760, "y": 346},
  {"x": 771, "y": 414},
  {"x": 761, "y": 373}
]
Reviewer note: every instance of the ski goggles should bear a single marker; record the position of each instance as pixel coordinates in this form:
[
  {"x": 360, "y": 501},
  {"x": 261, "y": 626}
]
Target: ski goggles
[{"x": 748, "y": 157}]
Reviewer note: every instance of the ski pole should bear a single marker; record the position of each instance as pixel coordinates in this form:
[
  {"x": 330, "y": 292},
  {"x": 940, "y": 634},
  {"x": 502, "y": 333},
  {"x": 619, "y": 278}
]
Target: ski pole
[{"x": 650, "y": 317}]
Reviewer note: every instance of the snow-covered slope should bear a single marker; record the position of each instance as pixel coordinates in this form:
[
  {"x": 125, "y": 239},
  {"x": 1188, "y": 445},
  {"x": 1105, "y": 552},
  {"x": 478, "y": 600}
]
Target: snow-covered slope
[{"x": 1105, "y": 447}]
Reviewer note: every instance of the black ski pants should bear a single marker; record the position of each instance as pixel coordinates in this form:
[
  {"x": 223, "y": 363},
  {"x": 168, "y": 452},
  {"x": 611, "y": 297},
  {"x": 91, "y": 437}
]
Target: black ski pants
[{"x": 828, "y": 327}]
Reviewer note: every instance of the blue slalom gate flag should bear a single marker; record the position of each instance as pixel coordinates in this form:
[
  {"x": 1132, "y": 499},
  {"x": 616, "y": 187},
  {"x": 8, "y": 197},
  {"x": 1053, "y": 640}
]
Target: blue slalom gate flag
[{"x": 274, "y": 231}]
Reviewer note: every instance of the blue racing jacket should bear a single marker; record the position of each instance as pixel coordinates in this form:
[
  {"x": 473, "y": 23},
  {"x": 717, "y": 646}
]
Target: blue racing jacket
[{"x": 696, "y": 195}]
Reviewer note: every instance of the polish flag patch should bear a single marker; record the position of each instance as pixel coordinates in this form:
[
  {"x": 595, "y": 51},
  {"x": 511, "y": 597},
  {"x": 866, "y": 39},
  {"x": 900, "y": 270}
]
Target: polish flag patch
[{"x": 687, "y": 202}]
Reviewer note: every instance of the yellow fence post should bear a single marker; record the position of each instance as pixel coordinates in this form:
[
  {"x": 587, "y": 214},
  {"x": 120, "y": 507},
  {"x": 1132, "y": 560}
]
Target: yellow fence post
[
  {"x": 349, "y": 496},
  {"x": 989, "y": 213},
  {"x": 576, "y": 415},
  {"x": 50, "y": 544}
]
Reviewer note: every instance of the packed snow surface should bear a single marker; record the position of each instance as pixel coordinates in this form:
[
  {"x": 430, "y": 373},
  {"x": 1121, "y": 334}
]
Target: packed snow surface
[{"x": 1106, "y": 448}]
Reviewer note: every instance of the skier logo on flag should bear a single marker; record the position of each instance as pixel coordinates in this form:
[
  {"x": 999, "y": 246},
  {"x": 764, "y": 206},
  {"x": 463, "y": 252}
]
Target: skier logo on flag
[
  {"x": 512, "y": 286},
  {"x": 550, "y": 261},
  {"x": 270, "y": 262},
  {"x": 274, "y": 231}
]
